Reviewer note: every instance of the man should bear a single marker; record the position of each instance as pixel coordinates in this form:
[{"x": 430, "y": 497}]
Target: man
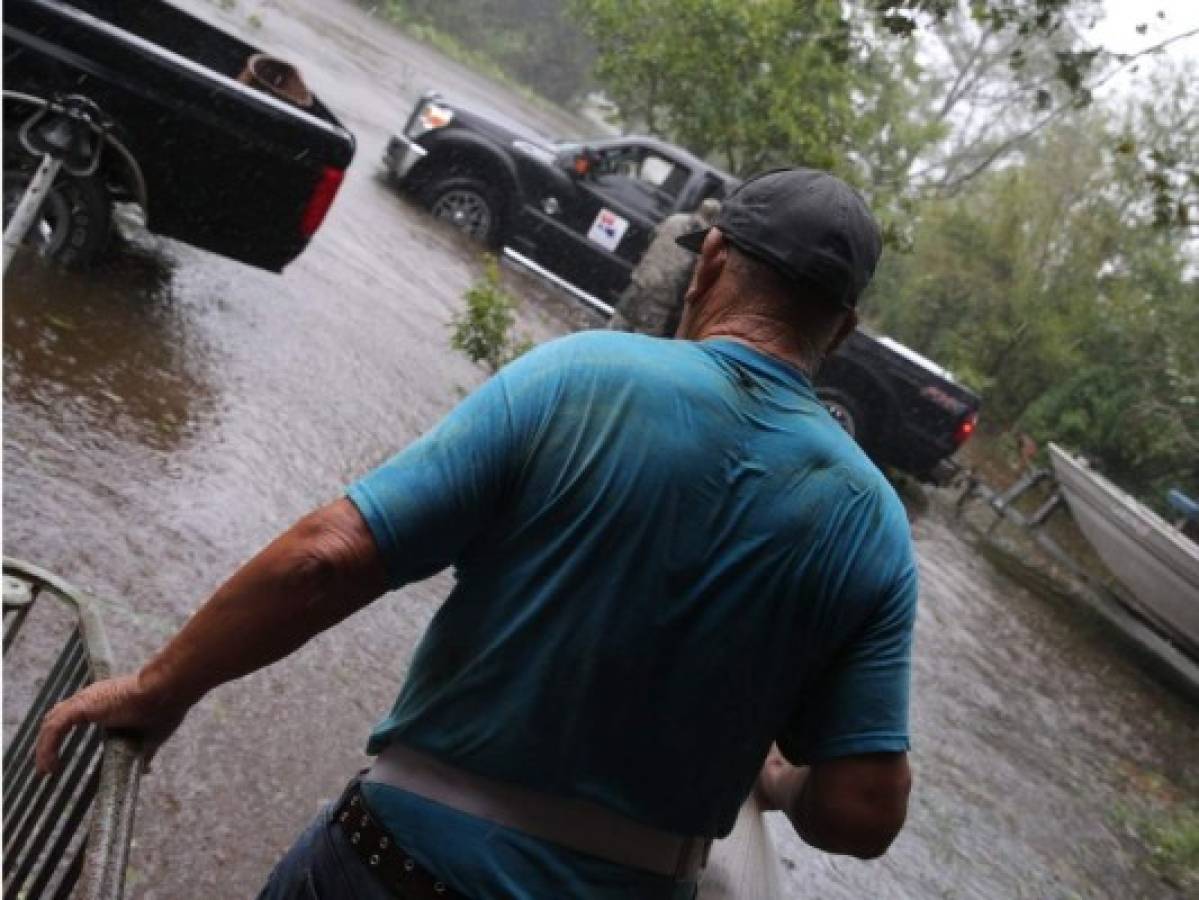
[
  {"x": 653, "y": 301},
  {"x": 669, "y": 558}
]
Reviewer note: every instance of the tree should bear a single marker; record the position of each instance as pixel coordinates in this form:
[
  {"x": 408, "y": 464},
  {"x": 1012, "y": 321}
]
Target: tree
[
  {"x": 989, "y": 84},
  {"x": 753, "y": 84},
  {"x": 1048, "y": 286},
  {"x": 907, "y": 98}
]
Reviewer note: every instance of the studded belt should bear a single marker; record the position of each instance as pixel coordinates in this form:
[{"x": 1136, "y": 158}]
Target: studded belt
[{"x": 391, "y": 864}]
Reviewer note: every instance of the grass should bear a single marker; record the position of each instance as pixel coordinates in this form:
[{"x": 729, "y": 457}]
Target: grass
[{"x": 1169, "y": 832}]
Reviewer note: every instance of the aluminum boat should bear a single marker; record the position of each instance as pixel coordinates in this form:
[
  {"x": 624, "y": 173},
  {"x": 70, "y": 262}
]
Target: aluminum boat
[{"x": 1154, "y": 560}]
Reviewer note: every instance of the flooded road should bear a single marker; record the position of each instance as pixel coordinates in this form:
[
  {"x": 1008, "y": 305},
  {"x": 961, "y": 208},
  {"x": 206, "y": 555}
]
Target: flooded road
[{"x": 169, "y": 414}]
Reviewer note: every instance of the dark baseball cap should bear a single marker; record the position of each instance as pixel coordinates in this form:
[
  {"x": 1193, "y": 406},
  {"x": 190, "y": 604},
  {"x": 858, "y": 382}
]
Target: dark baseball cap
[{"x": 809, "y": 225}]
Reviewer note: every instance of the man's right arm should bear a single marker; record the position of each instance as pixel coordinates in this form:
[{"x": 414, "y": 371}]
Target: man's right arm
[
  {"x": 853, "y": 805},
  {"x": 406, "y": 520},
  {"x": 318, "y": 572}
]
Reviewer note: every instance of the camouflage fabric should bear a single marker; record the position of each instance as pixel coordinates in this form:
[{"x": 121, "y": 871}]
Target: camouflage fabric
[{"x": 653, "y": 301}]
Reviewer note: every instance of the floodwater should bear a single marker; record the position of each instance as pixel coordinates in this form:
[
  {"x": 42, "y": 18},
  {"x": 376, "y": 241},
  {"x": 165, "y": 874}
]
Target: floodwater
[{"x": 167, "y": 415}]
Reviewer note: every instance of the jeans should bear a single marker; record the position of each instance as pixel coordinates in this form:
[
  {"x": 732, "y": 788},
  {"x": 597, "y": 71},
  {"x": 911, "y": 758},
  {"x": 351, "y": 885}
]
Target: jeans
[{"x": 321, "y": 865}]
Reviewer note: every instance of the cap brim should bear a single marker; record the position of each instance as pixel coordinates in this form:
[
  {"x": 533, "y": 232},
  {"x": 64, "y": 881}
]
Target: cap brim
[{"x": 692, "y": 240}]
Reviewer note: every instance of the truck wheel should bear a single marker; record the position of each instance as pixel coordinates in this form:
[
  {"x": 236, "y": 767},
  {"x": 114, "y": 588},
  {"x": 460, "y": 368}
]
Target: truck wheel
[
  {"x": 469, "y": 205},
  {"x": 76, "y": 219},
  {"x": 845, "y": 411}
]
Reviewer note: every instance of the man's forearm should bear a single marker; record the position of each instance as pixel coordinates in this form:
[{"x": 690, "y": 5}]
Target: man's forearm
[
  {"x": 854, "y": 805},
  {"x": 320, "y": 571},
  {"x": 317, "y": 573}
]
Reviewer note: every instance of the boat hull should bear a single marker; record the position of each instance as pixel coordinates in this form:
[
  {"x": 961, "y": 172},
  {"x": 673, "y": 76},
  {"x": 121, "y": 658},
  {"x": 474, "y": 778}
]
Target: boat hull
[{"x": 1156, "y": 563}]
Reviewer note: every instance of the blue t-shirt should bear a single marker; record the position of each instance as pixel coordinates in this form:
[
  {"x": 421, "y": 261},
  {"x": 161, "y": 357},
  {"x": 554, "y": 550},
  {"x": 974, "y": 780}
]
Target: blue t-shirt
[{"x": 667, "y": 556}]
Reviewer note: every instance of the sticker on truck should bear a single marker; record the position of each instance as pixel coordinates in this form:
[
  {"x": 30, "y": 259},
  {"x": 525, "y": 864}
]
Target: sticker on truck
[{"x": 607, "y": 229}]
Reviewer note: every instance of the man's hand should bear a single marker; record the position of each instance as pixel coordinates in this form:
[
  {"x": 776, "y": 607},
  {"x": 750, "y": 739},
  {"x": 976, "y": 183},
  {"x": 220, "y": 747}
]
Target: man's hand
[
  {"x": 322, "y": 569},
  {"x": 118, "y": 704},
  {"x": 778, "y": 781}
]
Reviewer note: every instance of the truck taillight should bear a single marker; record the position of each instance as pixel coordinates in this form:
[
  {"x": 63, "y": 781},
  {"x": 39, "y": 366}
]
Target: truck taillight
[
  {"x": 320, "y": 200},
  {"x": 965, "y": 429}
]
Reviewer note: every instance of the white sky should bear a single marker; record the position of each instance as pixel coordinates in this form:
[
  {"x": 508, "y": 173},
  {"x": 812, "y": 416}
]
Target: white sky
[
  {"x": 1117, "y": 30},
  {"x": 1118, "y": 27}
]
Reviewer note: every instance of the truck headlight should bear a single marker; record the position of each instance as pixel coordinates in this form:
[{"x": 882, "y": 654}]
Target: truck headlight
[{"x": 430, "y": 117}]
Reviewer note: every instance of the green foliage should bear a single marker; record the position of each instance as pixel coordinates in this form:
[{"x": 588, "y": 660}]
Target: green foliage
[
  {"x": 1024, "y": 18},
  {"x": 1170, "y": 832},
  {"x": 753, "y": 84},
  {"x": 1166, "y": 153},
  {"x": 1174, "y": 846},
  {"x": 1049, "y": 288},
  {"x": 485, "y": 331}
]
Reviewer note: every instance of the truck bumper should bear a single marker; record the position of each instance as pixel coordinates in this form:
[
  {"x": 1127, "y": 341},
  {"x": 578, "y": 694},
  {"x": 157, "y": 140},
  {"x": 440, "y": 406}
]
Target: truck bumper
[{"x": 401, "y": 155}]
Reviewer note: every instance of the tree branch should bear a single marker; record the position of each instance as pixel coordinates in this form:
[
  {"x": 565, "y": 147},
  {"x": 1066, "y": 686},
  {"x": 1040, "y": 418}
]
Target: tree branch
[{"x": 1018, "y": 139}]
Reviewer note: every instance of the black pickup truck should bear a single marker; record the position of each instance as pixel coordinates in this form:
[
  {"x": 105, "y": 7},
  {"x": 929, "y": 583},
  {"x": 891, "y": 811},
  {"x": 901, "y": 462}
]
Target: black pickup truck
[
  {"x": 904, "y": 409},
  {"x": 578, "y": 214},
  {"x": 582, "y": 213},
  {"x": 211, "y": 160}
]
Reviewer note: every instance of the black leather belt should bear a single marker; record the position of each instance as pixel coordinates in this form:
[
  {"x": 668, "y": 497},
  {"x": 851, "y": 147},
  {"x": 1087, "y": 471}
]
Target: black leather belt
[{"x": 394, "y": 867}]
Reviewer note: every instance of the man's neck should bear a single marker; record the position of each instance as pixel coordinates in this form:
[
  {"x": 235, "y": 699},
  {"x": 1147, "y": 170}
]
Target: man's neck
[{"x": 763, "y": 334}]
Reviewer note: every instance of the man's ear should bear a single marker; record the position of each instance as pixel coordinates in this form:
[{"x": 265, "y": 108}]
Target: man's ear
[
  {"x": 713, "y": 256},
  {"x": 848, "y": 324}
]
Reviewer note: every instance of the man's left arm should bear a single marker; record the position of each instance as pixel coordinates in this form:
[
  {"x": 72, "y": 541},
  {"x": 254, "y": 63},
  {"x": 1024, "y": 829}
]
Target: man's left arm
[
  {"x": 321, "y": 570},
  {"x": 842, "y": 776}
]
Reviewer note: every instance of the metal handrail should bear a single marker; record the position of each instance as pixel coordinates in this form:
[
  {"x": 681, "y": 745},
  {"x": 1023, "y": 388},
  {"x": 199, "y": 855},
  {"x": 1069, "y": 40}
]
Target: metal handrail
[{"x": 47, "y": 846}]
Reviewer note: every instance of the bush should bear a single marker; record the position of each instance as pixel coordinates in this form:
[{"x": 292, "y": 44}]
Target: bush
[{"x": 485, "y": 330}]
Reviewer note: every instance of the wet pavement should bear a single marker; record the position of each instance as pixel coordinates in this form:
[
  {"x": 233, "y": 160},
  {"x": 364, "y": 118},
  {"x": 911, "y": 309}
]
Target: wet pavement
[{"x": 167, "y": 415}]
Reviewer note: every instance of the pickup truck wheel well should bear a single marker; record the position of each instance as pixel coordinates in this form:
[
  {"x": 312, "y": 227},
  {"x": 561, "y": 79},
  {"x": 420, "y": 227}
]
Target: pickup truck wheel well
[
  {"x": 121, "y": 169},
  {"x": 469, "y": 163},
  {"x": 873, "y": 403}
]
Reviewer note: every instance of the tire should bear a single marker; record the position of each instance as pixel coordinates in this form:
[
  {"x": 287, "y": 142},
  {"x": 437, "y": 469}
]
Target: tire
[
  {"x": 469, "y": 205},
  {"x": 846, "y": 411},
  {"x": 76, "y": 219}
]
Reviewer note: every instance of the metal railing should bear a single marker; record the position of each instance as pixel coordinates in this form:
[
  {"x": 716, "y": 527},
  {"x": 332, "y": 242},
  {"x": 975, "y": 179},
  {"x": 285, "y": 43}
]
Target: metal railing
[{"x": 71, "y": 829}]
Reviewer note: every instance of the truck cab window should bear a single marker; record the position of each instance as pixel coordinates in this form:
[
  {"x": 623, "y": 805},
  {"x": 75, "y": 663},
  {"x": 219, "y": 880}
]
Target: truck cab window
[{"x": 641, "y": 178}]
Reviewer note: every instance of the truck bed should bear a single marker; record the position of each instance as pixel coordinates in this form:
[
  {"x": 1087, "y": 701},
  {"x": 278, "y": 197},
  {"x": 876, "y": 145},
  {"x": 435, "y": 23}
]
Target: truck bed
[
  {"x": 173, "y": 29},
  {"x": 228, "y": 168}
]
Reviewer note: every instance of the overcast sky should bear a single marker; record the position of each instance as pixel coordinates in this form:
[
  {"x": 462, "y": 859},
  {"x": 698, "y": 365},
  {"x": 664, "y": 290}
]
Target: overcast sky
[
  {"x": 1117, "y": 31},
  {"x": 1163, "y": 19}
]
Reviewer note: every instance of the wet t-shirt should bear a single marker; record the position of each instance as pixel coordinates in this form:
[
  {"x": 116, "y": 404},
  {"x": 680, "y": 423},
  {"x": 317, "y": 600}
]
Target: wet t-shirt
[{"x": 667, "y": 555}]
